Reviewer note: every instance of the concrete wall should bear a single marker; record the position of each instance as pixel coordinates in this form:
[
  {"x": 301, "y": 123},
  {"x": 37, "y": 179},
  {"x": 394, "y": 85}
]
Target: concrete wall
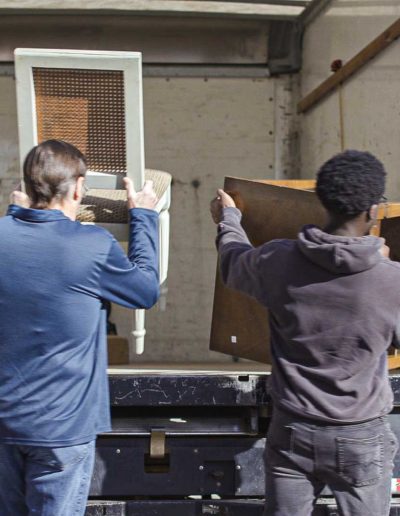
[
  {"x": 161, "y": 40},
  {"x": 370, "y": 98},
  {"x": 199, "y": 130},
  {"x": 9, "y": 159}
]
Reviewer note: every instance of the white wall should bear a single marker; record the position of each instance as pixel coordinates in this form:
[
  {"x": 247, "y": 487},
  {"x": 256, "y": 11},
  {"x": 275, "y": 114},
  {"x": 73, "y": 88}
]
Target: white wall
[{"x": 371, "y": 98}]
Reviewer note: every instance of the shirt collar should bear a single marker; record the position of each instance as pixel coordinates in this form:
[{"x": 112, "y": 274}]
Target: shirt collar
[{"x": 32, "y": 215}]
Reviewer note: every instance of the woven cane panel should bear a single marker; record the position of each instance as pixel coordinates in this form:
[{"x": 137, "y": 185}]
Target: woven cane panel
[
  {"x": 85, "y": 108},
  {"x": 109, "y": 206},
  {"x": 161, "y": 180}
]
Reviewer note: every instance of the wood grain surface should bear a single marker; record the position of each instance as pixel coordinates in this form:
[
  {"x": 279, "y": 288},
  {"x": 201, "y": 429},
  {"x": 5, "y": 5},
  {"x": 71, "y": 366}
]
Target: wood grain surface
[{"x": 240, "y": 324}]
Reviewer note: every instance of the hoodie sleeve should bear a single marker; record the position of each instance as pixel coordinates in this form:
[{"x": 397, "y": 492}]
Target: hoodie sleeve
[
  {"x": 133, "y": 280},
  {"x": 240, "y": 262}
]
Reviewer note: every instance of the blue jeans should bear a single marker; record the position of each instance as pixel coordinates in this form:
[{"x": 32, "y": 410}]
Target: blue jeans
[
  {"x": 36, "y": 480},
  {"x": 355, "y": 461}
]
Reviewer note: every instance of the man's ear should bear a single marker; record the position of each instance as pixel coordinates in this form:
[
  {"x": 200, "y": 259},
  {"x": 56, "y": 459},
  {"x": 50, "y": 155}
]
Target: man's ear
[
  {"x": 372, "y": 213},
  {"x": 78, "y": 190}
]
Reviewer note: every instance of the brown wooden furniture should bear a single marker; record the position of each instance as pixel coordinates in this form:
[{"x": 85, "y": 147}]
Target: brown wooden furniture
[
  {"x": 275, "y": 209},
  {"x": 118, "y": 350}
]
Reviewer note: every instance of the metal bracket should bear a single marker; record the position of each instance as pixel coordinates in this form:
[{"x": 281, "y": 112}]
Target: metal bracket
[{"x": 157, "y": 444}]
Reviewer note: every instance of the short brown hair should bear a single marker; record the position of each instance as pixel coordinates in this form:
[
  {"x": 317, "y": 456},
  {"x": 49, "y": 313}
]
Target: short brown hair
[{"x": 49, "y": 170}]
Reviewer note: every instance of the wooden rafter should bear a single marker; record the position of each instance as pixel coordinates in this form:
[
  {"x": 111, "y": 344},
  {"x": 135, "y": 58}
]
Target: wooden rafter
[{"x": 351, "y": 67}]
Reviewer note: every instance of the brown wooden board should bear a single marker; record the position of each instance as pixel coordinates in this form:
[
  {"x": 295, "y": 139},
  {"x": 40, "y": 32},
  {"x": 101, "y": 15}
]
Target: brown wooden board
[
  {"x": 390, "y": 231},
  {"x": 239, "y": 323}
]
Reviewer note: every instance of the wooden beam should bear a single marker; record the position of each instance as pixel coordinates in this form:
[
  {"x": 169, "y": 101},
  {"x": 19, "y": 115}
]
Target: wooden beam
[{"x": 356, "y": 63}]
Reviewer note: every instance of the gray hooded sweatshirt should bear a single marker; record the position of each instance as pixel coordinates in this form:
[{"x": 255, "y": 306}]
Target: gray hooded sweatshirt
[{"x": 334, "y": 310}]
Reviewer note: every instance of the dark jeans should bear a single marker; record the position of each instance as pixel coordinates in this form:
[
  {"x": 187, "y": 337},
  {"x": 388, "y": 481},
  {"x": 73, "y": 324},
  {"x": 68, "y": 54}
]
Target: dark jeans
[
  {"x": 36, "y": 480},
  {"x": 355, "y": 461}
]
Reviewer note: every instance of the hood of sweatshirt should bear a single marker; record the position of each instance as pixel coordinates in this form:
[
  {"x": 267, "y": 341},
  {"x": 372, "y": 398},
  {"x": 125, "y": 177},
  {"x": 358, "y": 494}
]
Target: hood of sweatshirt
[{"x": 339, "y": 254}]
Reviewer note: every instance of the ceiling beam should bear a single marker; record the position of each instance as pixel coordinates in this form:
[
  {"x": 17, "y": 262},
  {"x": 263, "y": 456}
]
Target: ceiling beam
[
  {"x": 313, "y": 9},
  {"x": 158, "y": 7}
]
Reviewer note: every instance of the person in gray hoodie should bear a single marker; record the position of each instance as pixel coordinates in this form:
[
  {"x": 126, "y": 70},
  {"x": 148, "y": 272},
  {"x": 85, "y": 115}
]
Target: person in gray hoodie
[{"x": 334, "y": 307}]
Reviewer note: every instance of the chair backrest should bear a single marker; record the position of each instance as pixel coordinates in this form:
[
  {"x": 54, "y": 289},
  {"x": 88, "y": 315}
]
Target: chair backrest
[{"x": 90, "y": 99}]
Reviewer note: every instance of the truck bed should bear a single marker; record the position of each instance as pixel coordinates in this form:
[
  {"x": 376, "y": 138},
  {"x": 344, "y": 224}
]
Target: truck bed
[{"x": 195, "y": 368}]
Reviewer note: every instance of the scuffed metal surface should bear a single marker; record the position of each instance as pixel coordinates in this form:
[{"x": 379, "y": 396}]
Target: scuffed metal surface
[
  {"x": 198, "y": 390},
  {"x": 236, "y": 507},
  {"x": 182, "y": 390}
]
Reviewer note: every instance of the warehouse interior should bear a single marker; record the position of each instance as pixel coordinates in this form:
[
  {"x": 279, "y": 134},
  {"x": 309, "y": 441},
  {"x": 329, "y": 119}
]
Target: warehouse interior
[
  {"x": 249, "y": 89},
  {"x": 222, "y": 83}
]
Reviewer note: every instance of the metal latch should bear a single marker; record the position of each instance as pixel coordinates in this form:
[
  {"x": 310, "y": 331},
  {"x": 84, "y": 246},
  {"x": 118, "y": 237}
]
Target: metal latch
[{"x": 157, "y": 444}]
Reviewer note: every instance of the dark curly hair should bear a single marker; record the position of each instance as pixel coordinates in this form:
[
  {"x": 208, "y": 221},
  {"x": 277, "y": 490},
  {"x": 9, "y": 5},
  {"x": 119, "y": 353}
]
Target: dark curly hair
[{"x": 350, "y": 183}]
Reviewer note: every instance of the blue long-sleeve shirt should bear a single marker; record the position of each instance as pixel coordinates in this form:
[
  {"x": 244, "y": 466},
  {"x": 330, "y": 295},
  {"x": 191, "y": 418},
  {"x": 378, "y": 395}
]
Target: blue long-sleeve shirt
[{"x": 54, "y": 274}]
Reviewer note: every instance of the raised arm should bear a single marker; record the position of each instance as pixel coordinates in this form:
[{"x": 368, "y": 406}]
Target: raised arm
[
  {"x": 133, "y": 280},
  {"x": 239, "y": 260}
]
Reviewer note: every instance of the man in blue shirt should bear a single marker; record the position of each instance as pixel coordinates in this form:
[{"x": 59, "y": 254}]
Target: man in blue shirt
[{"x": 54, "y": 275}]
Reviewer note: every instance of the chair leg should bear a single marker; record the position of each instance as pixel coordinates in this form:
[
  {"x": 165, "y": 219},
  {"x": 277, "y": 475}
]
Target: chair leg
[{"x": 139, "y": 332}]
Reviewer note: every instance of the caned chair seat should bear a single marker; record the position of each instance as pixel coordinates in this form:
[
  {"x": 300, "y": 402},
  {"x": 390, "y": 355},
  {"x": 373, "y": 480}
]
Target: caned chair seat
[{"x": 109, "y": 206}]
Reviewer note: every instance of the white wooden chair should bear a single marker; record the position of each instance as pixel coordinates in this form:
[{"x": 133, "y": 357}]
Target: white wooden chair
[{"x": 93, "y": 100}]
